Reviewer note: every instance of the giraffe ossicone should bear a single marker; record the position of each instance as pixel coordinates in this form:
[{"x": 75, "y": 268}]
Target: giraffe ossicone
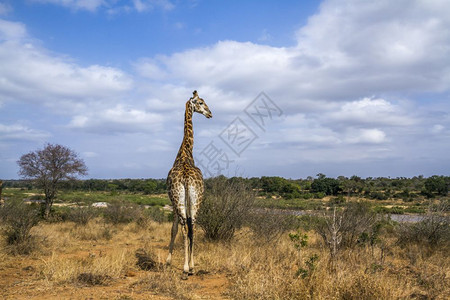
[{"x": 185, "y": 186}]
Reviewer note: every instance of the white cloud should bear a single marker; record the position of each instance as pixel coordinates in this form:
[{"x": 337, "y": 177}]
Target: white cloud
[
  {"x": 227, "y": 65},
  {"x": 347, "y": 51},
  {"x": 112, "y": 6},
  {"x": 369, "y": 111},
  {"x": 437, "y": 128},
  {"x": 90, "y": 5},
  {"x": 32, "y": 74},
  {"x": 401, "y": 44},
  {"x": 370, "y": 136},
  {"x": 11, "y": 30},
  {"x": 117, "y": 119},
  {"x": 21, "y": 132},
  {"x": 145, "y": 5}
]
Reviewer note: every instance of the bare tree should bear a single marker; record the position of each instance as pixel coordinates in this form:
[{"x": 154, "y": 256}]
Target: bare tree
[
  {"x": 331, "y": 233},
  {"x": 344, "y": 228},
  {"x": 48, "y": 167}
]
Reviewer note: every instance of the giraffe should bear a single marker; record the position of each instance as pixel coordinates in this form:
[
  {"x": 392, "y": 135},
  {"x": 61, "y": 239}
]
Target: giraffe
[{"x": 185, "y": 186}]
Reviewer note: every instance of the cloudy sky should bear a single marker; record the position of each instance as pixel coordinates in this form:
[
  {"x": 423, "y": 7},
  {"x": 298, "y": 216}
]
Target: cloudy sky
[{"x": 340, "y": 87}]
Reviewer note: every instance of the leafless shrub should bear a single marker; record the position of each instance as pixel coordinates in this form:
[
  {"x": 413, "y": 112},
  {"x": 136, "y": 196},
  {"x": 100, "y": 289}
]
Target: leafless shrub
[
  {"x": 94, "y": 231},
  {"x": 432, "y": 233},
  {"x": 269, "y": 225},
  {"x": 82, "y": 215},
  {"x": 153, "y": 213},
  {"x": 19, "y": 219},
  {"x": 343, "y": 227},
  {"x": 226, "y": 207},
  {"x": 331, "y": 232},
  {"x": 120, "y": 212}
]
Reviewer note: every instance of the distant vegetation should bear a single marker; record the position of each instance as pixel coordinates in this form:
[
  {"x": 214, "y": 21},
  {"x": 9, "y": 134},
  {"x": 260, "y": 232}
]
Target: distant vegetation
[{"x": 371, "y": 188}]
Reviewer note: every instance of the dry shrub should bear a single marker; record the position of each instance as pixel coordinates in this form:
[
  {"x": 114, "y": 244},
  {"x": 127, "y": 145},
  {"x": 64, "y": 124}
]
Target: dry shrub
[
  {"x": 82, "y": 215},
  {"x": 344, "y": 228},
  {"x": 156, "y": 214},
  {"x": 119, "y": 212},
  {"x": 431, "y": 234},
  {"x": 147, "y": 260},
  {"x": 269, "y": 225},
  {"x": 226, "y": 206},
  {"x": 149, "y": 215},
  {"x": 19, "y": 218}
]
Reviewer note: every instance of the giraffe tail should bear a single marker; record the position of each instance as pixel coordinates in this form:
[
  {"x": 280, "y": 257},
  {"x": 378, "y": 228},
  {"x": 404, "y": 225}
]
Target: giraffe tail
[{"x": 190, "y": 229}]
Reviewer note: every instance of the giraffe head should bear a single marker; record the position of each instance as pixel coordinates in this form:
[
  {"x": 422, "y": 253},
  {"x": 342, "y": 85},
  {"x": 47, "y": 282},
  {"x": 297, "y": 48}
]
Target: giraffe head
[{"x": 200, "y": 105}]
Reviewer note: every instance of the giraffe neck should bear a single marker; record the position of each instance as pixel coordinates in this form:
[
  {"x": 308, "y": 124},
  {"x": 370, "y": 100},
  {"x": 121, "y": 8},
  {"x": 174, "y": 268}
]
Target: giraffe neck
[{"x": 186, "y": 148}]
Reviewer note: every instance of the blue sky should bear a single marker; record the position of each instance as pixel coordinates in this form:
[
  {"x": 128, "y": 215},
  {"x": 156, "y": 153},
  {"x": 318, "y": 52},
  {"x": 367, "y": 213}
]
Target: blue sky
[{"x": 355, "y": 87}]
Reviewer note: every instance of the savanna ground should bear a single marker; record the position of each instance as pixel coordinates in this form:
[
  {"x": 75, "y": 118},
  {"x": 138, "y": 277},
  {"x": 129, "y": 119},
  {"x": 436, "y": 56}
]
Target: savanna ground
[{"x": 100, "y": 257}]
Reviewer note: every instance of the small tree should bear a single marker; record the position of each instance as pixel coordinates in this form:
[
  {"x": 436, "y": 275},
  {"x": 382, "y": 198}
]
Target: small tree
[
  {"x": 328, "y": 186},
  {"x": 48, "y": 167},
  {"x": 438, "y": 184}
]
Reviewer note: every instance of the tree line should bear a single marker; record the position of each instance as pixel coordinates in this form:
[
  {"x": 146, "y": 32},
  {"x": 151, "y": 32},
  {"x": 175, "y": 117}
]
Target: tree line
[{"x": 377, "y": 188}]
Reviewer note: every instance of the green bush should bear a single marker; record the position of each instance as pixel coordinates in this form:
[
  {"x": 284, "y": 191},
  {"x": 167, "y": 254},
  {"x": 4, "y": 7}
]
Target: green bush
[
  {"x": 379, "y": 195},
  {"x": 437, "y": 184},
  {"x": 328, "y": 186},
  {"x": 339, "y": 200}
]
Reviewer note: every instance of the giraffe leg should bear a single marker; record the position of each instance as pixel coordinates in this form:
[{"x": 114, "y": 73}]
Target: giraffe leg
[
  {"x": 184, "y": 229},
  {"x": 173, "y": 234},
  {"x": 191, "y": 247},
  {"x": 195, "y": 193}
]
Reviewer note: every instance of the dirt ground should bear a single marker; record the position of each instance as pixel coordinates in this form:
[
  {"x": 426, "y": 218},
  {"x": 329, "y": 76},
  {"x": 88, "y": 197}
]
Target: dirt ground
[{"x": 26, "y": 277}]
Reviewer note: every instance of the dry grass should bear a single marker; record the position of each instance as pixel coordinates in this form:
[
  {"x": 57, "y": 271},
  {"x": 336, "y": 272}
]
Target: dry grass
[
  {"x": 103, "y": 264},
  {"x": 167, "y": 282},
  {"x": 107, "y": 266}
]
